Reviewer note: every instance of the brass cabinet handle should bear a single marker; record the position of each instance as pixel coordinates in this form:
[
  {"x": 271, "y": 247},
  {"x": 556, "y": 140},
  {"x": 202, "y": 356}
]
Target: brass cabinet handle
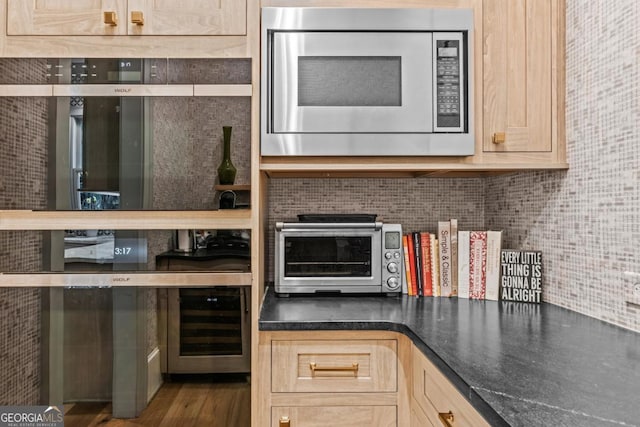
[
  {"x": 137, "y": 17},
  {"x": 446, "y": 418},
  {"x": 499, "y": 138},
  {"x": 285, "y": 422},
  {"x": 110, "y": 18},
  {"x": 353, "y": 368}
]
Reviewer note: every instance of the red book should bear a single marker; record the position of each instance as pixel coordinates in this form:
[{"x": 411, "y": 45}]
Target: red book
[
  {"x": 407, "y": 264},
  {"x": 412, "y": 265},
  {"x": 477, "y": 264},
  {"x": 427, "y": 282}
]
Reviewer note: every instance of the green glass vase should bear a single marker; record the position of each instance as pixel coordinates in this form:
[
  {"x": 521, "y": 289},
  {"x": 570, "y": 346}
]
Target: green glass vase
[{"x": 226, "y": 170}]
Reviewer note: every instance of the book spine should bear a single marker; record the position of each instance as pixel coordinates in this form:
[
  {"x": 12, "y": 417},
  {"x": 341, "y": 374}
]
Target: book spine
[
  {"x": 477, "y": 264},
  {"x": 412, "y": 266},
  {"x": 407, "y": 266},
  {"x": 463, "y": 264},
  {"x": 494, "y": 246},
  {"x": 417, "y": 250},
  {"x": 454, "y": 257},
  {"x": 444, "y": 239},
  {"x": 427, "y": 282},
  {"x": 435, "y": 265},
  {"x": 403, "y": 268}
]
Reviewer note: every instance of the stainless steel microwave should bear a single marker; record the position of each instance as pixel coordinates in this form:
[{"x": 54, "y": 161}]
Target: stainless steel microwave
[
  {"x": 367, "y": 82},
  {"x": 340, "y": 257}
]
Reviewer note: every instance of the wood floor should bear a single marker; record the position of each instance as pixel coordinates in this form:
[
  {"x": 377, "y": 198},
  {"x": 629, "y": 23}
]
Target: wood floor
[{"x": 175, "y": 404}]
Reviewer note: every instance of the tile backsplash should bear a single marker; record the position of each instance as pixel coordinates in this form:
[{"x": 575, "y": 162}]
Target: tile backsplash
[
  {"x": 23, "y": 183},
  {"x": 587, "y": 220},
  {"x": 417, "y": 203}
]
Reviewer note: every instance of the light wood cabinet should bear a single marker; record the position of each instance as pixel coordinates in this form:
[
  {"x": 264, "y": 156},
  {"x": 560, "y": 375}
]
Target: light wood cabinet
[
  {"x": 518, "y": 75},
  {"x": 130, "y": 28},
  {"x": 344, "y": 416},
  {"x": 418, "y": 417},
  {"x": 320, "y": 378},
  {"x": 125, "y": 17},
  {"x": 66, "y": 17},
  {"x": 361, "y": 378},
  {"x": 435, "y": 395},
  {"x": 325, "y": 366}
]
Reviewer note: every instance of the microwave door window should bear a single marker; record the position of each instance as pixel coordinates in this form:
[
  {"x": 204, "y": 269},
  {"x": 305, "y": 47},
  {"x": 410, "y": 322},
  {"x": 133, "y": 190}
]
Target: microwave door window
[
  {"x": 349, "y": 81},
  {"x": 341, "y": 256}
]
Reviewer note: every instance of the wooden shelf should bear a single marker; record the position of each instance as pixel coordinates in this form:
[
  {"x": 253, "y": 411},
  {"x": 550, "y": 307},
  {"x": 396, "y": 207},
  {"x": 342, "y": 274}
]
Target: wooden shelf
[
  {"x": 228, "y": 219},
  {"x": 392, "y": 168},
  {"x": 233, "y": 187},
  {"x": 138, "y": 279}
]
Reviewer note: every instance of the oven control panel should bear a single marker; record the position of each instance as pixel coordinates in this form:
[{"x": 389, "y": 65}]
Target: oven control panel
[{"x": 392, "y": 261}]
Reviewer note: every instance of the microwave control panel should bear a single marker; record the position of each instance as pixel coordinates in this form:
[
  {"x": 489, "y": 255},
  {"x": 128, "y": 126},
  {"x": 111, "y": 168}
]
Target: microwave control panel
[{"x": 448, "y": 83}]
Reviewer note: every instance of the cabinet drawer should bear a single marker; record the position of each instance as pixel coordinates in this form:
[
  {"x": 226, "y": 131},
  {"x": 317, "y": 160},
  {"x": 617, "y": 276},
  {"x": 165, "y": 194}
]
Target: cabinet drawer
[
  {"x": 343, "y": 416},
  {"x": 334, "y": 366},
  {"x": 435, "y": 394},
  {"x": 418, "y": 417}
]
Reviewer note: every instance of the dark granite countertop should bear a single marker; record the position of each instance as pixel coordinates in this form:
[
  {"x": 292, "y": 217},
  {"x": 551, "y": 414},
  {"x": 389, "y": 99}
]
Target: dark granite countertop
[{"x": 518, "y": 364}]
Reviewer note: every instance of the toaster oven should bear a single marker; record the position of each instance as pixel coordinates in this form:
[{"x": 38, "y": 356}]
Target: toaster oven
[{"x": 338, "y": 257}]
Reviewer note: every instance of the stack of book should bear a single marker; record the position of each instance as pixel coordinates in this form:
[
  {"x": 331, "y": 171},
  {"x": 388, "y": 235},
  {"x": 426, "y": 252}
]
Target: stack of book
[{"x": 452, "y": 263}]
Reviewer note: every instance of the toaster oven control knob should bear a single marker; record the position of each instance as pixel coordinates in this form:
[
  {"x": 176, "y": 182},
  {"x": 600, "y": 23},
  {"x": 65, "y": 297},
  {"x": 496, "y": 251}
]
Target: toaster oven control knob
[
  {"x": 393, "y": 282},
  {"x": 392, "y": 267},
  {"x": 388, "y": 255}
]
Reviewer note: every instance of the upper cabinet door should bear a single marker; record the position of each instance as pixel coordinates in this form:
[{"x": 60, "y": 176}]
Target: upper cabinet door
[
  {"x": 188, "y": 17},
  {"x": 66, "y": 17},
  {"x": 518, "y": 75},
  {"x": 122, "y": 17}
]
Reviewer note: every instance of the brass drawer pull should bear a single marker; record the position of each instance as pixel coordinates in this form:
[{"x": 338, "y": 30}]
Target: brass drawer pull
[
  {"x": 446, "y": 418},
  {"x": 353, "y": 368},
  {"x": 285, "y": 422},
  {"x": 499, "y": 138},
  {"x": 137, "y": 17},
  {"x": 110, "y": 18}
]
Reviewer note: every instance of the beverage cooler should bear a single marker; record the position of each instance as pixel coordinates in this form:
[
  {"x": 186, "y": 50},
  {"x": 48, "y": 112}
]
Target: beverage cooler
[{"x": 208, "y": 330}]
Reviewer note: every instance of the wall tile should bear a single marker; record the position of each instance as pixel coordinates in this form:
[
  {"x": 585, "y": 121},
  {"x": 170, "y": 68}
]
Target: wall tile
[
  {"x": 587, "y": 220},
  {"x": 416, "y": 203},
  {"x": 23, "y": 184}
]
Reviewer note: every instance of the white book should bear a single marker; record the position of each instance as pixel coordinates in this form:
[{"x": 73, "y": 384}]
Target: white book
[
  {"x": 435, "y": 265},
  {"x": 444, "y": 243},
  {"x": 454, "y": 257},
  {"x": 463, "y": 264},
  {"x": 494, "y": 245}
]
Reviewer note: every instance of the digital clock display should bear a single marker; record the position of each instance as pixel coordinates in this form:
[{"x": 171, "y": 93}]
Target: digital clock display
[
  {"x": 392, "y": 240},
  {"x": 123, "y": 251},
  {"x": 130, "y": 250}
]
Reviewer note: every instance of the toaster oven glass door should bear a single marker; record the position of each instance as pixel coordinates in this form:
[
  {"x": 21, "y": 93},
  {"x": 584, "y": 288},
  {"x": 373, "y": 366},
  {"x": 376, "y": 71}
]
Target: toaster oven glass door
[
  {"x": 340, "y": 256},
  {"x": 327, "y": 260}
]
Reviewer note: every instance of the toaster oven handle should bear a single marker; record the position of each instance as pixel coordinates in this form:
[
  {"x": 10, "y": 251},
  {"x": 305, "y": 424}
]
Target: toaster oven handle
[{"x": 326, "y": 225}]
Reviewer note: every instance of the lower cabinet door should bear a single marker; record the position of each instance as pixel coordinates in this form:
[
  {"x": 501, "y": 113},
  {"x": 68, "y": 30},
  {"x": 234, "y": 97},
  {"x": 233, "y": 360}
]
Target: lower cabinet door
[
  {"x": 438, "y": 398},
  {"x": 418, "y": 417},
  {"x": 343, "y": 416}
]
